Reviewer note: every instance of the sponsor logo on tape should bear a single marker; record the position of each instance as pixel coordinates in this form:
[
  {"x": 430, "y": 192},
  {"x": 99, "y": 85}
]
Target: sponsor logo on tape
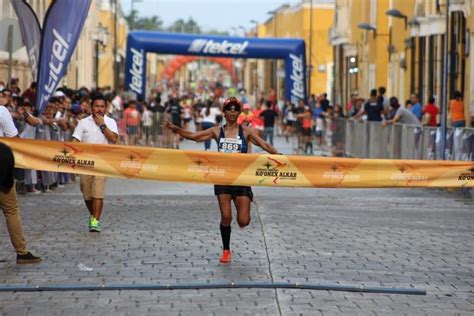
[
  {"x": 272, "y": 169},
  {"x": 68, "y": 159}
]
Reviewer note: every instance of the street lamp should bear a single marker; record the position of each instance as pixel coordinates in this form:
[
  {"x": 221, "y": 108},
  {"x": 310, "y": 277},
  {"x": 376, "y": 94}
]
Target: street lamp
[
  {"x": 367, "y": 27},
  {"x": 397, "y": 14},
  {"x": 256, "y": 27},
  {"x": 274, "y": 62},
  {"x": 101, "y": 38},
  {"x": 243, "y": 29}
]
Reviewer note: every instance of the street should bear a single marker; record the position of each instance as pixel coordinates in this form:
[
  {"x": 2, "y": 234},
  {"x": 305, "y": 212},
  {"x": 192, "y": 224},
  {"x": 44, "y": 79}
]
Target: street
[{"x": 168, "y": 233}]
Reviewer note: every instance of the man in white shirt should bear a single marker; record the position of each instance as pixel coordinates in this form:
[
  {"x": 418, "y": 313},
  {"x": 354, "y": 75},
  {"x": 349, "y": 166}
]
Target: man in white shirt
[
  {"x": 8, "y": 199},
  {"x": 96, "y": 128}
]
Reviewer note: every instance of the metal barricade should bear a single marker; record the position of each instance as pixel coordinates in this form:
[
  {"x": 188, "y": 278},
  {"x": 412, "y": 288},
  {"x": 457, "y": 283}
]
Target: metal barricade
[
  {"x": 400, "y": 141},
  {"x": 428, "y": 143},
  {"x": 410, "y": 147}
]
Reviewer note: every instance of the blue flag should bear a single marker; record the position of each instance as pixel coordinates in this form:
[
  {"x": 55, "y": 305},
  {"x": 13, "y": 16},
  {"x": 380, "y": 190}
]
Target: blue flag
[
  {"x": 30, "y": 31},
  {"x": 61, "y": 30}
]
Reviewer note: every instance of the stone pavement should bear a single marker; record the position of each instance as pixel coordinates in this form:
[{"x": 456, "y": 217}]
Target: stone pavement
[{"x": 168, "y": 233}]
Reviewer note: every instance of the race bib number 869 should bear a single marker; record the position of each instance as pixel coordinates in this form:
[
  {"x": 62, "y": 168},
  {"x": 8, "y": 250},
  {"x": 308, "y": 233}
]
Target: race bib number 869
[{"x": 230, "y": 145}]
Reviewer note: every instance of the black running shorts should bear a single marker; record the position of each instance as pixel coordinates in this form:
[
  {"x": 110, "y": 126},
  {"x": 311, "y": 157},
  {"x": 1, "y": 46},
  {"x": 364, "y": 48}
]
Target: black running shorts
[{"x": 234, "y": 190}]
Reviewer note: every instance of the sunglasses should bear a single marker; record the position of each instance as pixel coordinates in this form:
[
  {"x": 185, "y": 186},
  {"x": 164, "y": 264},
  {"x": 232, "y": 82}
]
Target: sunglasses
[{"x": 232, "y": 107}]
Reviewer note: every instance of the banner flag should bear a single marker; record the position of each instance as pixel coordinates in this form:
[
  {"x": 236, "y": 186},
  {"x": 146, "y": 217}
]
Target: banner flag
[
  {"x": 62, "y": 27},
  {"x": 30, "y": 32},
  {"x": 237, "y": 169}
]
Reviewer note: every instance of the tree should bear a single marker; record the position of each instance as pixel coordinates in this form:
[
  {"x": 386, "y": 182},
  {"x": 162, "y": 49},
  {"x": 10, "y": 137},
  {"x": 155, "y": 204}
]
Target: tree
[{"x": 143, "y": 23}]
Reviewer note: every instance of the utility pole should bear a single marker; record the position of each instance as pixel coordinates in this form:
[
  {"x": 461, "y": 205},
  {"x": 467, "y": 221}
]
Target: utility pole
[
  {"x": 444, "y": 100},
  {"x": 116, "y": 70},
  {"x": 255, "y": 70},
  {"x": 310, "y": 68}
]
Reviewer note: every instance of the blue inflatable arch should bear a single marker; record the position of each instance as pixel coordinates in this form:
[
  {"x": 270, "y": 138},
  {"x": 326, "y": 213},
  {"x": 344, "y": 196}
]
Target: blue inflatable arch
[{"x": 140, "y": 43}]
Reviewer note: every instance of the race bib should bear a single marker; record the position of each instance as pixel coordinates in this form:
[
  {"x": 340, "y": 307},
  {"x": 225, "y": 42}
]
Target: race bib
[{"x": 230, "y": 145}]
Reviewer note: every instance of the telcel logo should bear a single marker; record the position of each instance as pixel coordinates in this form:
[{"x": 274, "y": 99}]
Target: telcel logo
[
  {"x": 297, "y": 91},
  {"x": 136, "y": 84},
  {"x": 211, "y": 47},
  {"x": 59, "y": 52}
]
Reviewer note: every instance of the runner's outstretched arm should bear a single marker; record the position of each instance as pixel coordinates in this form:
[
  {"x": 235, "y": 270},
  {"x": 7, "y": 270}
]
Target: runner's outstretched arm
[
  {"x": 257, "y": 140},
  {"x": 197, "y": 136}
]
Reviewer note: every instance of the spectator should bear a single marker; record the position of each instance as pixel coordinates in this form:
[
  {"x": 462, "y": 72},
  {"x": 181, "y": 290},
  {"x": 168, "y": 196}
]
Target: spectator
[
  {"x": 416, "y": 107},
  {"x": 289, "y": 120},
  {"x": 268, "y": 116},
  {"x": 324, "y": 101},
  {"x": 132, "y": 121},
  {"x": 257, "y": 122},
  {"x": 456, "y": 110},
  {"x": 373, "y": 108},
  {"x": 312, "y": 102},
  {"x": 430, "y": 113},
  {"x": 382, "y": 98},
  {"x": 402, "y": 115},
  {"x": 209, "y": 119},
  {"x": 147, "y": 121},
  {"x": 246, "y": 117}
]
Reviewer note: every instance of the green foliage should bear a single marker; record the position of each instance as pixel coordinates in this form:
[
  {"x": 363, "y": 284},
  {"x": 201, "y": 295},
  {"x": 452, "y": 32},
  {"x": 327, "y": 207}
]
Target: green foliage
[{"x": 155, "y": 23}]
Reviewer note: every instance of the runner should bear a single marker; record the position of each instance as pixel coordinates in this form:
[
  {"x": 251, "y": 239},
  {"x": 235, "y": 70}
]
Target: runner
[{"x": 230, "y": 138}]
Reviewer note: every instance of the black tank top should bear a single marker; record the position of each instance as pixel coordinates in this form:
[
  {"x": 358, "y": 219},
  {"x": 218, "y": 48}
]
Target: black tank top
[{"x": 232, "y": 145}]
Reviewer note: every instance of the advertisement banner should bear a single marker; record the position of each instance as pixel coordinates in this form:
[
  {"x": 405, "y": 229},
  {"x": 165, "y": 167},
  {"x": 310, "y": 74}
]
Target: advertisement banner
[
  {"x": 62, "y": 27},
  {"x": 30, "y": 31},
  {"x": 237, "y": 169}
]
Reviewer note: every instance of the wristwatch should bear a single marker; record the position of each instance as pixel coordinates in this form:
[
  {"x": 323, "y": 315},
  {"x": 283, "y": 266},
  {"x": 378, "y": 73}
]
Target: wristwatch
[{"x": 102, "y": 127}]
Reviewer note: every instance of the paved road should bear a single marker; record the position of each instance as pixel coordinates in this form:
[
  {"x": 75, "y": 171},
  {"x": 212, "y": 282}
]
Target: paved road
[{"x": 167, "y": 233}]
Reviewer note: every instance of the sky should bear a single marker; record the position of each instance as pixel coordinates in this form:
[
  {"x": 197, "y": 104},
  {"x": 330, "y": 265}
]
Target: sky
[{"x": 222, "y": 15}]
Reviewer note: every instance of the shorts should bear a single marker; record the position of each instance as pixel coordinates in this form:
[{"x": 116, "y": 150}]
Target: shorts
[
  {"x": 92, "y": 187},
  {"x": 234, "y": 190},
  {"x": 290, "y": 123},
  {"x": 319, "y": 133},
  {"x": 132, "y": 130},
  {"x": 306, "y": 132}
]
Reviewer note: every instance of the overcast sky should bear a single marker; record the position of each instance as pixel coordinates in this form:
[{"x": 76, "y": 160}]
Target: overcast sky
[{"x": 209, "y": 14}]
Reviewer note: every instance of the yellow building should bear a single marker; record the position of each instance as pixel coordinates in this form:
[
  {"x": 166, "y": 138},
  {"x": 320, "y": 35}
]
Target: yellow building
[
  {"x": 108, "y": 24},
  {"x": 294, "y": 22},
  {"x": 399, "y": 44}
]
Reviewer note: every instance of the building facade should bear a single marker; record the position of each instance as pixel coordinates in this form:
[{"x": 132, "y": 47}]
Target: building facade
[
  {"x": 92, "y": 61},
  {"x": 295, "y": 22},
  {"x": 399, "y": 44}
]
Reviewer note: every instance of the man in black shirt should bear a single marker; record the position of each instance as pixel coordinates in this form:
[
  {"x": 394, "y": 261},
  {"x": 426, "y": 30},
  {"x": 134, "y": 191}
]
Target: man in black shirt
[
  {"x": 176, "y": 111},
  {"x": 268, "y": 115},
  {"x": 324, "y": 102},
  {"x": 373, "y": 108}
]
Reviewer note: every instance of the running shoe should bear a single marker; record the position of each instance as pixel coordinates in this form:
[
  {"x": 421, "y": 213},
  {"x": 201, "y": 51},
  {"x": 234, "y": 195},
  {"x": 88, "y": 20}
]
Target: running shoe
[
  {"x": 94, "y": 225},
  {"x": 226, "y": 257},
  {"x": 27, "y": 258}
]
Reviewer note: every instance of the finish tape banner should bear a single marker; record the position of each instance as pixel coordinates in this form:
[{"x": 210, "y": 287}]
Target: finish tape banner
[{"x": 237, "y": 169}]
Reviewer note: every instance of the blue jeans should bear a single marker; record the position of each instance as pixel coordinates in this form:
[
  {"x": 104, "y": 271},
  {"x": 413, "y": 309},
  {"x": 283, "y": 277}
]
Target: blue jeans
[
  {"x": 458, "y": 123},
  {"x": 268, "y": 134},
  {"x": 206, "y": 125}
]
